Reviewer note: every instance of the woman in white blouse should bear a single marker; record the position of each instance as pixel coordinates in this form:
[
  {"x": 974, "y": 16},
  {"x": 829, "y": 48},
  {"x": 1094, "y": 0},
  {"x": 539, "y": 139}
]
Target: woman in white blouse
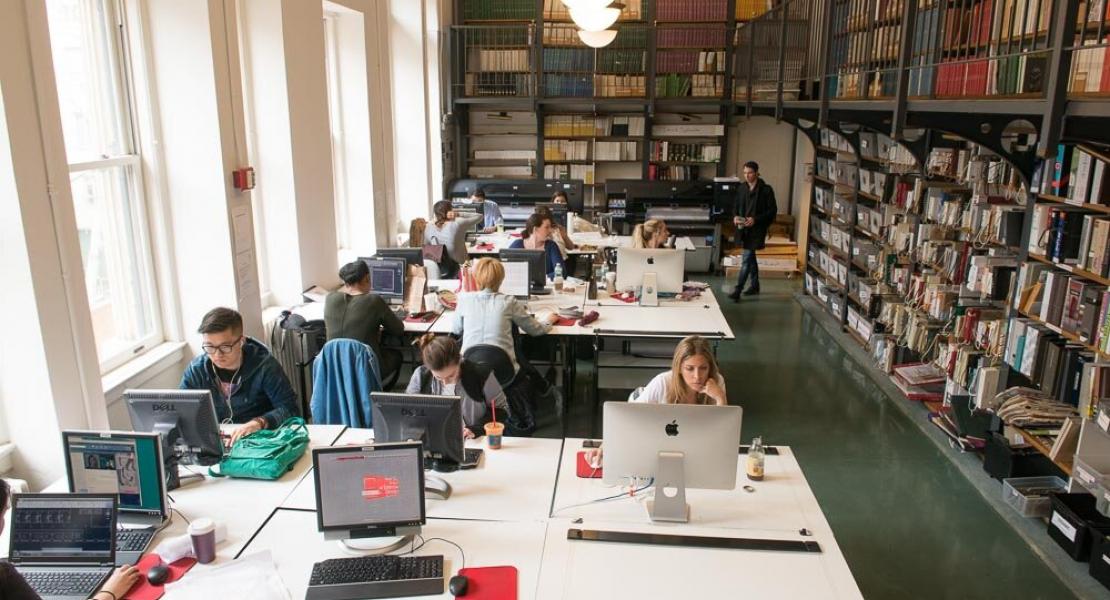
[{"x": 694, "y": 378}]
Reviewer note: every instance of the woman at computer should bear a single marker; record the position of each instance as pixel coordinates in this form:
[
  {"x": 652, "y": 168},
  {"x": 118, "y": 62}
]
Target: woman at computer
[
  {"x": 446, "y": 373},
  {"x": 537, "y": 236},
  {"x": 449, "y": 229},
  {"x": 580, "y": 224},
  {"x": 14, "y": 587},
  {"x": 353, "y": 312},
  {"x": 487, "y": 317},
  {"x": 652, "y": 233},
  {"x": 559, "y": 233}
]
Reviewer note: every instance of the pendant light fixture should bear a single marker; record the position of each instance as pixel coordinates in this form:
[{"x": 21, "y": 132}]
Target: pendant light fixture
[{"x": 593, "y": 18}]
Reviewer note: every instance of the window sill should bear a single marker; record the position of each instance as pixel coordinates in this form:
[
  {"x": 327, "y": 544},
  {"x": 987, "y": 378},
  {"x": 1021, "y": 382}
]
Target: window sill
[{"x": 138, "y": 369}]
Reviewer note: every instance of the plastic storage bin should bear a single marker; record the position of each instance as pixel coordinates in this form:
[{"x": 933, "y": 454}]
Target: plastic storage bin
[
  {"x": 1032, "y": 496},
  {"x": 1072, "y": 522}
]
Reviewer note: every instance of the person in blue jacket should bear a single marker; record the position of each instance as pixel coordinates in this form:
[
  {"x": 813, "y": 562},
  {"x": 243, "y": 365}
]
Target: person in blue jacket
[
  {"x": 537, "y": 236},
  {"x": 247, "y": 384}
]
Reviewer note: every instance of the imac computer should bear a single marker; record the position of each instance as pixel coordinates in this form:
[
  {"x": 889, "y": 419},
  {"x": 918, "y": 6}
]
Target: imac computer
[
  {"x": 387, "y": 277},
  {"x": 537, "y": 266},
  {"x": 370, "y": 497},
  {"x": 435, "y": 421},
  {"x": 412, "y": 256},
  {"x": 654, "y": 271},
  {"x": 126, "y": 464},
  {"x": 186, "y": 420},
  {"x": 679, "y": 446}
]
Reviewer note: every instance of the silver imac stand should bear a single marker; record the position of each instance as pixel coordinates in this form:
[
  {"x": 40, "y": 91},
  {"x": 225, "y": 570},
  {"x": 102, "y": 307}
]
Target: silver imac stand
[
  {"x": 649, "y": 292},
  {"x": 670, "y": 474}
]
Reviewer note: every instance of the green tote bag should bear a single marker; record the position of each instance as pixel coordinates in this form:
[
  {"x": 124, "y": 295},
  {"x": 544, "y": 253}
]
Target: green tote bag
[{"x": 266, "y": 454}]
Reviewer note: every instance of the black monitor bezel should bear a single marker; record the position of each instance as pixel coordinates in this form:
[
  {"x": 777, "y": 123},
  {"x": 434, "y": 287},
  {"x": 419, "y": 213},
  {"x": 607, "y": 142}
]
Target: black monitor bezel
[{"x": 382, "y": 530}]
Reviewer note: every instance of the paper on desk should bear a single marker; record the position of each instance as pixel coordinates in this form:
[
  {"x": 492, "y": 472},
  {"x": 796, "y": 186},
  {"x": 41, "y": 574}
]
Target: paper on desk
[
  {"x": 586, "y": 237},
  {"x": 252, "y": 577}
]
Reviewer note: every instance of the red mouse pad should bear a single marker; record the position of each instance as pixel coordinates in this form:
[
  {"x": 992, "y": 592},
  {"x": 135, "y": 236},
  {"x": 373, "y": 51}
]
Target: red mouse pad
[
  {"x": 145, "y": 590},
  {"x": 490, "y": 583}
]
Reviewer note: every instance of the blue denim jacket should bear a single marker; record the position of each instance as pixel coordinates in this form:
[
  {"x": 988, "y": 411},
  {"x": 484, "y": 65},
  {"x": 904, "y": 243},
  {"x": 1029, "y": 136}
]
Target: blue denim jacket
[
  {"x": 263, "y": 391},
  {"x": 487, "y": 317}
]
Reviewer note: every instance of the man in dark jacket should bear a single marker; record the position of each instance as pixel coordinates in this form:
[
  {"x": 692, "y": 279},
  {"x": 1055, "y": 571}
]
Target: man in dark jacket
[
  {"x": 246, "y": 381},
  {"x": 754, "y": 213}
]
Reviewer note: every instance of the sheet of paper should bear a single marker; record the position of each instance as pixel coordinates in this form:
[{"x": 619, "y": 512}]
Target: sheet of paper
[
  {"x": 243, "y": 230},
  {"x": 516, "y": 279}
]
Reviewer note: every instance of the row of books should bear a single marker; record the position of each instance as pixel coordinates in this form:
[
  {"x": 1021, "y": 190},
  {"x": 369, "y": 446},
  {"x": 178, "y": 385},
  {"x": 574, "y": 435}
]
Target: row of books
[
  {"x": 505, "y": 155},
  {"x": 588, "y": 125},
  {"x": 579, "y": 60},
  {"x": 1070, "y": 237},
  {"x": 499, "y": 10},
  {"x": 700, "y": 86},
  {"x": 585, "y": 173},
  {"x": 691, "y": 10},
  {"x": 691, "y": 37},
  {"x": 498, "y": 84},
  {"x": 1090, "y": 71},
  {"x": 621, "y": 61},
  {"x": 671, "y": 151},
  {"x": 690, "y": 61},
  {"x": 747, "y": 10},
  {"x": 676, "y": 173},
  {"x": 500, "y": 171},
  {"x": 616, "y": 151},
  {"x": 556, "y": 10},
  {"x": 620, "y": 86},
  {"x": 1049, "y": 360},
  {"x": 498, "y": 60},
  {"x": 1076, "y": 175},
  {"x": 557, "y": 150}
]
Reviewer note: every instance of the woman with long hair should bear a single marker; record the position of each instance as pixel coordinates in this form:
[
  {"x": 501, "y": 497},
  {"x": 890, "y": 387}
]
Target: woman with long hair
[
  {"x": 652, "y": 233},
  {"x": 537, "y": 236}
]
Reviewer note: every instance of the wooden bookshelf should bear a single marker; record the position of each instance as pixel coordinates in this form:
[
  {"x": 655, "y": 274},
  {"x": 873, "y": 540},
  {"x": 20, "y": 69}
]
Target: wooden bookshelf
[
  {"x": 1044, "y": 446},
  {"x": 1070, "y": 269}
]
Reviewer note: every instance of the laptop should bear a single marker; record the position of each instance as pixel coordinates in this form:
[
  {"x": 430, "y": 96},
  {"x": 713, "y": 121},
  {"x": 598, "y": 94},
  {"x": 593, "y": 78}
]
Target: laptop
[
  {"x": 64, "y": 545},
  {"x": 130, "y": 466}
]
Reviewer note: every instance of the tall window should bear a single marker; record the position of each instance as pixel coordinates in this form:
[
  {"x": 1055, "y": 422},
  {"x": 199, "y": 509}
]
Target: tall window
[
  {"x": 344, "y": 235},
  {"x": 87, "y": 39}
]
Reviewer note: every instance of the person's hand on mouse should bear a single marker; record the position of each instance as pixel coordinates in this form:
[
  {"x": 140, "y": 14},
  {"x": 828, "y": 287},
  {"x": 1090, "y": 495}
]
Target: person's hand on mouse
[
  {"x": 593, "y": 457},
  {"x": 119, "y": 583}
]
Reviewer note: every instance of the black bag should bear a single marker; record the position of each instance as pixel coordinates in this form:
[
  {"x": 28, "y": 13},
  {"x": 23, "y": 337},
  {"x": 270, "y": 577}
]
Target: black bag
[{"x": 295, "y": 342}]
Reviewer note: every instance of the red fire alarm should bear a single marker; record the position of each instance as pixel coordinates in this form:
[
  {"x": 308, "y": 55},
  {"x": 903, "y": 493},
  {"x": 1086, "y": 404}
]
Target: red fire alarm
[{"x": 243, "y": 179}]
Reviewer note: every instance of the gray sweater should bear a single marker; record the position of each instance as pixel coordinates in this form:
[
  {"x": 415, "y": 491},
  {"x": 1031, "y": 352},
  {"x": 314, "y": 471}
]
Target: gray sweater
[{"x": 452, "y": 234}]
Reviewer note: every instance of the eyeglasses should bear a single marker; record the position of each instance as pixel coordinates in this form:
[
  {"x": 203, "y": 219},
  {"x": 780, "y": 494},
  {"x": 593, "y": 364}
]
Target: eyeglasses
[{"x": 223, "y": 349}]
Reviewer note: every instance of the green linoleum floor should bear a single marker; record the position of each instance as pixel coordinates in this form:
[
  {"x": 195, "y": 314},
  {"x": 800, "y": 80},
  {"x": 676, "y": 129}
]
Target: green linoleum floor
[{"x": 909, "y": 524}]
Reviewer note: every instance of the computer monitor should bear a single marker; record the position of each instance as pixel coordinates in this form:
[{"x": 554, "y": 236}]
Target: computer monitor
[
  {"x": 556, "y": 209},
  {"x": 62, "y": 529},
  {"x": 129, "y": 465},
  {"x": 537, "y": 265},
  {"x": 367, "y": 492},
  {"x": 186, "y": 420},
  {"x": 677, "y": 445},
  {"x": 668, "y": 265},
  {"x": 387, "y": 276},
  {"x": 434, "y": 420},
  {"x": 412, "y": 256}
]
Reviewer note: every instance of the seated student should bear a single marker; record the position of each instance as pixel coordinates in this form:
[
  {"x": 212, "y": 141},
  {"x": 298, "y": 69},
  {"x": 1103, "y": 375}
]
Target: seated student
[
  {"x": 559, "y": 233},
  {"x": 445, "y": 373},
  {"x": 14, "y": 587},
  {"x": 246, "y": 381},
  {"x": 449, "y": 229},
  {"x": 491, "y": 213},
  {"x": 487, "y": 316},
  {"x": 537, "y": 236},
  {"x": 353, "y": 312},
  {"x": 650, "y": 234}
]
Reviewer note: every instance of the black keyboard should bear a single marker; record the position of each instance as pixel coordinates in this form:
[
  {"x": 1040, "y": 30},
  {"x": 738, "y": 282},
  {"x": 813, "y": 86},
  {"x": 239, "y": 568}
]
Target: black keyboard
[
  {"x": 471, "y": 456},
  {"x": 133, "y": 540},
  {"x": 63, "y": 583},
  {"x": 376, "y": 577}
]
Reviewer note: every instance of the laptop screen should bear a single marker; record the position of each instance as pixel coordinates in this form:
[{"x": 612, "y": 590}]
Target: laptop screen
[
  {"x": 63, "y": 528},
  {"x": 125, "y": 464}
]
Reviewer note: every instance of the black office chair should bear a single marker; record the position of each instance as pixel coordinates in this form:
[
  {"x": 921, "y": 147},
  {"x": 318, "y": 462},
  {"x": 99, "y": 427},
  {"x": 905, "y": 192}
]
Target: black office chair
[
  {"x": 521, "y": 421},
  {"x": 494, "y": 358}
]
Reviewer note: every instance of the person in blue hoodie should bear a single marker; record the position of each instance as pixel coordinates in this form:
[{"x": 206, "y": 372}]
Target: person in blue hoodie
[{"x": 247, "y": 384}]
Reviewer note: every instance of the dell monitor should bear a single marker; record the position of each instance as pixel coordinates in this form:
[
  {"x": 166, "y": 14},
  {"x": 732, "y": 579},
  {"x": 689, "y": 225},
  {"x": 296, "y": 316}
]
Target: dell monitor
[
  {"x": 412, "y": 256},
  {"x": 373, "y": 493},
  {"x": 387, "y": 276},
  {"x": 677, "y": 445},
  {"x": 434, "y": 420},
  {"x": 186, "y": 420},
  {"x": 128, "y": 465},
  {"x": 537, "y": 265},
  {"x": 667, "y": 267}
]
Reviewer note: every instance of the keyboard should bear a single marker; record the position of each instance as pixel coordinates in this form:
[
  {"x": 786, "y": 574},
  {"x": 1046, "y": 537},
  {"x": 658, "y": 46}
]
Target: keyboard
[
  {"x": 376, "y": 577},
  {"x": 471, "y": 456},
  {"x": 133, "y": 540},
  {"x": 63, "y": 583}
]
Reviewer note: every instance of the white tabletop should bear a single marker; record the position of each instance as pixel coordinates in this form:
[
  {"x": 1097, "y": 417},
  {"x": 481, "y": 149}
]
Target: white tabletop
[
  {"x": 781, "y": 505},
  {"x": 707, "y": 298},
  {"x": 296, "y": 544},
  {"x": 515, "y": 483}
]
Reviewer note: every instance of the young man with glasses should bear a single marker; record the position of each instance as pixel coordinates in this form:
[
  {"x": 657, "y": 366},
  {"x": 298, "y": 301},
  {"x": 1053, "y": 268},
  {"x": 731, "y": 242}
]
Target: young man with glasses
[{"x": 246, "y": 381}]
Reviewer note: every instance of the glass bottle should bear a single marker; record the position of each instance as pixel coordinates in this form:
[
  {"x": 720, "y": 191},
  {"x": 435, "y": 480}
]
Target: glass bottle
[
  {"x": 755, "y": 460},
  {"x": 558, "y": 279}
]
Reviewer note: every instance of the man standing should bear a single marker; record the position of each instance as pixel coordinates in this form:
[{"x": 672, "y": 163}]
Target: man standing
[
  {"x": 490, "y": 211},
  {"x": 755, "y": 212}
]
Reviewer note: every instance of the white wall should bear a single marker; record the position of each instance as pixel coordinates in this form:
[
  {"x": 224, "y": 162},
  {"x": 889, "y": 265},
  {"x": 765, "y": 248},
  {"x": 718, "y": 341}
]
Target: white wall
[{"x": 769, "y": 143}]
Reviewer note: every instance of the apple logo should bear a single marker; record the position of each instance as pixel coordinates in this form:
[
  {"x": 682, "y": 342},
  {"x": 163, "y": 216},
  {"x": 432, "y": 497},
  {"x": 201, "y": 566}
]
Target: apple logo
[
  {"x": 672, "y": 428},
  {"x": 651, "y": 260}
]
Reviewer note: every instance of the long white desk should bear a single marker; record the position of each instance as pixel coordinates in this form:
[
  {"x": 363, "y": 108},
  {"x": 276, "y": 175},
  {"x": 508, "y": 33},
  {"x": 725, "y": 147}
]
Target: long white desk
[{"x": 515, "y": 483}]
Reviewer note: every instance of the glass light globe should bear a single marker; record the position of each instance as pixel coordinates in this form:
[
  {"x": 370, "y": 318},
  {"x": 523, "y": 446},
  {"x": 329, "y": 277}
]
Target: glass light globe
[
  {"x": 594, "y": 19},
  {"x": 587, "y": 4},
  {"x": 598, "y": 39}
]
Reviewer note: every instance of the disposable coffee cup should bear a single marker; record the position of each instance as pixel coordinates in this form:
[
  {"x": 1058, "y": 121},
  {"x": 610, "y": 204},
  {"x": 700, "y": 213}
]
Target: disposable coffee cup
[
  {"x": 611, "y": 282},
  {"x": 493, "y": 435},
  {"x": 203, "y": 533}
]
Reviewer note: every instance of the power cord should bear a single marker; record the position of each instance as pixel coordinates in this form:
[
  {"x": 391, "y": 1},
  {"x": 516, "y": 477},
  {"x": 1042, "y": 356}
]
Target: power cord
[{"x": 629, "y": 494}]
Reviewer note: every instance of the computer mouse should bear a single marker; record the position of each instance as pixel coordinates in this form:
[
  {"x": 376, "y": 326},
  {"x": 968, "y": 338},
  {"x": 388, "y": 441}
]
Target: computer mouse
[
  {"x": 158, "y": 574},
  {"x": 457, "y": 586}
]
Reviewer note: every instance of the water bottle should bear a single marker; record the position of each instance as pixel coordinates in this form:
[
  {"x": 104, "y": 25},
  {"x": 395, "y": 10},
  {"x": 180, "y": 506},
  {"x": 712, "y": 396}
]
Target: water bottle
[
  {"x": 755, "y": 460},
  {"x": 558, "y": 278}
]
